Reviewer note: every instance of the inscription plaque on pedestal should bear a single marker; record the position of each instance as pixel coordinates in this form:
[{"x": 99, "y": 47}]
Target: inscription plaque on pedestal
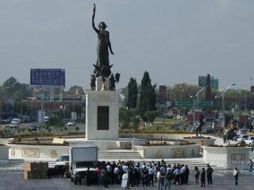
[{"x": 103, "y": 118}]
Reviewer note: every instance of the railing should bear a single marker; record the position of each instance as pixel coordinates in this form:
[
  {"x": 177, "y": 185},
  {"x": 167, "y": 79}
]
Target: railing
[{"x": 11, "y": 165}]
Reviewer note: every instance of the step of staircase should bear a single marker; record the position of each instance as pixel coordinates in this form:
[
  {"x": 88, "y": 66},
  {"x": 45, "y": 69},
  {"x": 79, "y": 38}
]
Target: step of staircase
[
  {"x": 191, "y": 162},
  {"x": 119, "y": 155}
]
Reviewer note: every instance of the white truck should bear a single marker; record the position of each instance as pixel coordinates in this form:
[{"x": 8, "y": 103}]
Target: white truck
[{"x": 83, "y": 159}]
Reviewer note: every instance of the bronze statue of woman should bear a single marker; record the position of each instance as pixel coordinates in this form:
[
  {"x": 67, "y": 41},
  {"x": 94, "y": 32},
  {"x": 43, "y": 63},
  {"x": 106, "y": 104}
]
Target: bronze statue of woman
[{"x": 102, "y": 67}]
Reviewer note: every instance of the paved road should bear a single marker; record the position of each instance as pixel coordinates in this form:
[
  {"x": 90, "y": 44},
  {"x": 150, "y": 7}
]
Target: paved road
[{"x": 223, "y": 180}]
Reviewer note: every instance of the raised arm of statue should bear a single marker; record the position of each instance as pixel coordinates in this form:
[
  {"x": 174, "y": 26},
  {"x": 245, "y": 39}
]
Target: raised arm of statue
[{"x": 93, "y": 24}]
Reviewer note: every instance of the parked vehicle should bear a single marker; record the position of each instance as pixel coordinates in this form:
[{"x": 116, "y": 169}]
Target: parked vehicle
[
  {"x": 71, "y": 124},
  {"x": 242, "y": 137},
  {"x": 46, "y": 119},
  {"x": 62, "y": 161},
  {"x": 15, "y": 121},
  {"x": 82, "y": 159},
  {"x": 250, "y": 140}
]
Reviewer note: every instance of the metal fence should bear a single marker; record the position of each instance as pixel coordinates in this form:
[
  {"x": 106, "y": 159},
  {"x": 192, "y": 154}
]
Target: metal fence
[{"x": 11, "y": 165}]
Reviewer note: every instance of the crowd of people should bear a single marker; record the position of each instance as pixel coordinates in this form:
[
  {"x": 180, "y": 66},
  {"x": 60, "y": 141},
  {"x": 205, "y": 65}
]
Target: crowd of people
[{"x": 160, "y": 174}]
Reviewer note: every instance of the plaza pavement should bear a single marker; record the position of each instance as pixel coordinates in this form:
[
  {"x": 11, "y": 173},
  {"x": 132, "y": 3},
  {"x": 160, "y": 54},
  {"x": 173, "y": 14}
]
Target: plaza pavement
[{"x": 223, "y": 180}]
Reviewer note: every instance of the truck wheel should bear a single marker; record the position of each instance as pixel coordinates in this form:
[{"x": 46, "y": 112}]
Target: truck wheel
[{"x": 71, "y": 179}]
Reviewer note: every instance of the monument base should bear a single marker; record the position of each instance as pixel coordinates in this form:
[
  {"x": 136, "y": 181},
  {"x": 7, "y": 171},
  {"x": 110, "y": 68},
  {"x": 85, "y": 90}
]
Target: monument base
[
  {"x": 102, "y": 115},
  {"x": 227, "y": 157}
]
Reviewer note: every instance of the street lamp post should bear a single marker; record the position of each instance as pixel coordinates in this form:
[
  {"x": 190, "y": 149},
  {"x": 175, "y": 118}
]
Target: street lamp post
[
  {"x": 195, "y": 103},
  {"x": 222, "y": 95}
]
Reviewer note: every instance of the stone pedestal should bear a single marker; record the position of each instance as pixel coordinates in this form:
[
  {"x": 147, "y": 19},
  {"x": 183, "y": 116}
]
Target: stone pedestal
[
  {"x": 203, "y": 141},
  {"x": 102, "y": 85},
  {"x": 102, "y": 115},
  {"x": 227, "y": 157}
]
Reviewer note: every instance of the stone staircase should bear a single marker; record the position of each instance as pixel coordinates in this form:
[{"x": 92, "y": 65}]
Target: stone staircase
[
  {"x": 191, "y": 162},
  {"x": 115, "y": 155}
]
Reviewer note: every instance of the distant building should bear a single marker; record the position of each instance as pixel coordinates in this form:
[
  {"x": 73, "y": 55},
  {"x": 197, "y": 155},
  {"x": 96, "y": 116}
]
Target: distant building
[
  {"x": 163, "y": 94},
  {"x": 214, "y": 82},
  {"x": 252, "y": 90}
]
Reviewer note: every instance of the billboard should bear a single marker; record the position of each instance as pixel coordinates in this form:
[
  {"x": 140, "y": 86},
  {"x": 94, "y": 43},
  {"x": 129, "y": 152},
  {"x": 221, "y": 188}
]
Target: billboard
[{"x": 47, "y": 77}]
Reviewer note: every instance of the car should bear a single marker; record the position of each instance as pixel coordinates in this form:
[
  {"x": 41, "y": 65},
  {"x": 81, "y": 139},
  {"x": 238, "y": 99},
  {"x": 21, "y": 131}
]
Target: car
[
  {"x": 62, "y": 161},
  {"x": 71, "y": 124},
  {"x": 250, "y": 140},
  {"x": 13, "y": 125},
  {"x": 242, "y": 137},
  {"x": 15, "y": 121},
  {"x": 46, "y": 119}
]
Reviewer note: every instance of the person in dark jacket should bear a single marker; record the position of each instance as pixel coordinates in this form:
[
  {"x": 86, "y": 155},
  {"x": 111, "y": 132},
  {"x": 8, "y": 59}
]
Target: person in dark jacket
[
  {"x": 196, "y": 174},
  {"x": 209, "y": 174},
  {"x": 202, "y": 178}
]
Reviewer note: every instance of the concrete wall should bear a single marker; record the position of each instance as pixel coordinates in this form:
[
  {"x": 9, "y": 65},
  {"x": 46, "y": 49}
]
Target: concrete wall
[
  {"x": 37, "y": 152},
  {"x": 227, "y": 157},
  {"x": 3, "y": 152},
  {"x": 175, "y": 151},
  {"x": 203, "y": 142}
]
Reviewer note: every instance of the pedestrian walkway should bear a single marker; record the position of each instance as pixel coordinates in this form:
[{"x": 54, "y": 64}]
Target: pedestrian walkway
[{"x": 223, "y": 180}]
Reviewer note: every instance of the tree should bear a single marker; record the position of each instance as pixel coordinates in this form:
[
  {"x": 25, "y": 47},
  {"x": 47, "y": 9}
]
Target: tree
[
  {"x": 129, "y": 118},
  {"x": 147, "y": 96},
  {"x": 132, "y": 93},
  {"x": 75, "y": 90},
  {"x": 124, "y": 117},
  {"x": 151, "y": 115},
  {"x": 12, "y": 88},
  {"x": 182, "y": 91}
]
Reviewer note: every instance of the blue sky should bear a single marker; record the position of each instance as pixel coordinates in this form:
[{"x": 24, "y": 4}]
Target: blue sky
[{"x": 174, "y": 40}]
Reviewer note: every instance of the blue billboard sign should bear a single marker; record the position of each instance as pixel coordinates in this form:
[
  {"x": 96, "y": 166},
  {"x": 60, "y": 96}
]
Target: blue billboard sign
[{"x": 47, "y": 77}]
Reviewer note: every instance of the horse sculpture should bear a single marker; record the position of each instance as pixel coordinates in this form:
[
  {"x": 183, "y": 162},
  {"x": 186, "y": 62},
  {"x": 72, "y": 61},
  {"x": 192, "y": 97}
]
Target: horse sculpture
[{"x": 229, "y": 133}]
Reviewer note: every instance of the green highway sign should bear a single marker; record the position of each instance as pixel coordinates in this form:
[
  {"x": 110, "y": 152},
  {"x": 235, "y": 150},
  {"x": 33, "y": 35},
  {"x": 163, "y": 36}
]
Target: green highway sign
[
  {"x": 188, "y": 104},
  {"x": 183, "y": 103}
]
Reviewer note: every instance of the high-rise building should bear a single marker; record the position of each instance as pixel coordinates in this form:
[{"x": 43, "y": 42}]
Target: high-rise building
[
  {"x": 214, "y": 82},
  {"x": 162, "y": 94}
]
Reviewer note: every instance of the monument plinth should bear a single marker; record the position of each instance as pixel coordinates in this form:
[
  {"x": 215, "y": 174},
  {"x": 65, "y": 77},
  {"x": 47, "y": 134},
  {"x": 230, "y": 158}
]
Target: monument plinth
[{"x": 102, "y": 115}]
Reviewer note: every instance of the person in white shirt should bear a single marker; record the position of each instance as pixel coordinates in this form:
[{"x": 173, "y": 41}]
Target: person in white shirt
[
  {"x": 124, "y": 183},
  {"x": 236, "y": 174},
  {"x": 159, "y": 181}
]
